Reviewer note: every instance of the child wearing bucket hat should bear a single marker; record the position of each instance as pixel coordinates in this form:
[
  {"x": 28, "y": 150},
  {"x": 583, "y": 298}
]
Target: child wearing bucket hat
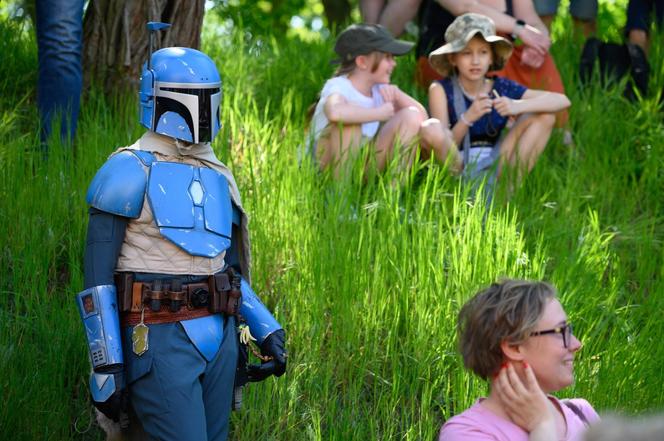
[
  {"x": 477, "y": 107},
  {"x": 358, "y": 106}
]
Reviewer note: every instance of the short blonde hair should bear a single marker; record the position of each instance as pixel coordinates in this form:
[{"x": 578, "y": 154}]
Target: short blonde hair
[
  {"x": 347, "y": 67},
  {"x": 505, "y": 311}
]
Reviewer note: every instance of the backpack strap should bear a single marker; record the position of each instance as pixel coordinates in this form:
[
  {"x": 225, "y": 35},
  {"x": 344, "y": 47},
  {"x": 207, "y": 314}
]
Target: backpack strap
[
  {"x": 574, "y": 408},
  {"x": 459, "y": 108}
]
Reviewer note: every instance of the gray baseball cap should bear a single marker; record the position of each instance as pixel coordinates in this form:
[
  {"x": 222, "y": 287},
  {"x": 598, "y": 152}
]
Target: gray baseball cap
[
  {"x": 362, "y": 39},
  {"x": 460, "y": 32}
]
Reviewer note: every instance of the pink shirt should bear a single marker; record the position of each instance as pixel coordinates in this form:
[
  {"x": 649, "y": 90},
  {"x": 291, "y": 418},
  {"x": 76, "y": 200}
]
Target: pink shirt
[{"x": 479, "y": 423}]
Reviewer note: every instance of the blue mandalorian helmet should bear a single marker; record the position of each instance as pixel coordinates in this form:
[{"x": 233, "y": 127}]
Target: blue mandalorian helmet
[{"x": 180, "y": 95}]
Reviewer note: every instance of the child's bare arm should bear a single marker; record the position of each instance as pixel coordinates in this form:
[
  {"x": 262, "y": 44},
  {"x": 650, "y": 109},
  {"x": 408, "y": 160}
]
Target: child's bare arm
[
  {"x": 533, "y": 101},
  {"x": 339, "y": 110},
  {"x": 438, "y": 104},
  {"x": 438, "y": 107}
]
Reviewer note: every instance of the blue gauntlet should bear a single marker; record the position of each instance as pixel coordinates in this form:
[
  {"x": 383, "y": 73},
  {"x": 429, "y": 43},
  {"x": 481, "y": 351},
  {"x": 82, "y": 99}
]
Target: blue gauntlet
[
  {"x": 109, "y": 395},
  {"x": 268, "y": 333},
  {"x": 98, "y": 307},
  {"x": 99, "y": 313}
]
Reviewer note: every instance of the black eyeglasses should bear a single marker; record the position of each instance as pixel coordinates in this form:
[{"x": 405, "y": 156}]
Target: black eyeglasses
[{"x": 565, "y": 330}]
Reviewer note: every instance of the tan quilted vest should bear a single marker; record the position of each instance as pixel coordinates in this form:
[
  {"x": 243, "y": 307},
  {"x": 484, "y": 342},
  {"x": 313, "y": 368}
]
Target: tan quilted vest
[{"x": 144, "y": 248}]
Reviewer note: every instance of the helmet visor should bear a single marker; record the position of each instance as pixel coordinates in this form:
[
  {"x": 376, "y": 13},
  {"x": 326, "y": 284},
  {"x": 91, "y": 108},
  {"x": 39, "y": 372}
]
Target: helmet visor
[{"x": 198, "y": 106}]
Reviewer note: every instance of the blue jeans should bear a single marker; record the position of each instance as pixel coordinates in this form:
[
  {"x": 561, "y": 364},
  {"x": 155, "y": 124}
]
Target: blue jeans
[
  {"x": 585, "y": 10},
  {"x": 59, "y": 42}
]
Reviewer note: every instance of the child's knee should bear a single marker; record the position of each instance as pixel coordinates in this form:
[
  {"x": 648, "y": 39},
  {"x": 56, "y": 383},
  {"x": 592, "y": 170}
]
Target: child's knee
[
  {"x": 410, "y": 117},
  {"x": 431, "y": 124},
  {"x": 431, "y": 130},
  {"x": 547, "y": 119}
]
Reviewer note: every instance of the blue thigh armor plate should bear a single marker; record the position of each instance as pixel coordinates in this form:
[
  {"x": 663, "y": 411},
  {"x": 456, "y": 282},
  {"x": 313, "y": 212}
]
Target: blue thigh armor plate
[{"x": 206, "y": 333}]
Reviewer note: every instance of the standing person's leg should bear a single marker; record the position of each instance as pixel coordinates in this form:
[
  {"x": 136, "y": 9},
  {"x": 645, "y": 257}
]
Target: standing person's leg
[
  {"x": 371, "y": 10},
  {"x": 526, "y": 141},
  {"x": 639, "y": 14},
  {"x": 402, "y": 128},
  {"x": 547, "y": 10},
  {"x": 218, "y": 382},
  {"x": 59, "y": 38},
  {"x": 164, "y": 386},
  {"x": 584, "y": 14},
  {"x": 638, "y": 22},
  {"x": 397, "y": 13},
  {"x": 659, "y": 13},
  {"x": 337, "y": 145}
]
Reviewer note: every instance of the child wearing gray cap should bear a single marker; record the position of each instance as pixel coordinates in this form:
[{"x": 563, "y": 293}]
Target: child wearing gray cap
[{"x": 358, "y": 106}]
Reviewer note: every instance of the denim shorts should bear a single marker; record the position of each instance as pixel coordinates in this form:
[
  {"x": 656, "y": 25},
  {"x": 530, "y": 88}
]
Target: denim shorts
[
  {"x": 639, "y": 13},
  {"x": 585, "y": 10}
]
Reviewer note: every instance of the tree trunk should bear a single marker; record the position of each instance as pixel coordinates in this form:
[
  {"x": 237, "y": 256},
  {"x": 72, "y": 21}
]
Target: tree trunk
[
  {"x": 337, "y": 13},
  {"x": 115, "y": 37}
]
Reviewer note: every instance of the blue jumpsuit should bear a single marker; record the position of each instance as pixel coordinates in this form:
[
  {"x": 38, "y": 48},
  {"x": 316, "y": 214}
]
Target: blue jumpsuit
[{"x": 182, "y": 386}]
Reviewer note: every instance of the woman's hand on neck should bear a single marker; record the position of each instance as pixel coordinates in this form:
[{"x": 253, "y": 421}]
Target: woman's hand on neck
[{"x": 516, "y": 396}]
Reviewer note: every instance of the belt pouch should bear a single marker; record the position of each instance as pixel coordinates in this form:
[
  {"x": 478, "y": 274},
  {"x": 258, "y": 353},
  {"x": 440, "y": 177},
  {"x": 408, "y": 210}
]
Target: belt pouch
[
  {"x": 124, "y": 285},
  {"x": 234, "y": 292},
  {"x": 156, "y": 295},
  {"x": 219, "y": 286},
  {"x": 176, "y": 295},
  {"x": 234, "y": 296}
]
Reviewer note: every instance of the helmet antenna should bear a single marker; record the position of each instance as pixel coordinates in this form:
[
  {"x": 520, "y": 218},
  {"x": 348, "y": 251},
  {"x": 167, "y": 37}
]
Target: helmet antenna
[{"x": 154, "y": 26}]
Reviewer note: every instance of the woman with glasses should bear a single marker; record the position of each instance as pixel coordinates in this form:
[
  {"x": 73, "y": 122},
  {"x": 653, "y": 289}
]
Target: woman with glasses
[{"x": 515, "y": 334}]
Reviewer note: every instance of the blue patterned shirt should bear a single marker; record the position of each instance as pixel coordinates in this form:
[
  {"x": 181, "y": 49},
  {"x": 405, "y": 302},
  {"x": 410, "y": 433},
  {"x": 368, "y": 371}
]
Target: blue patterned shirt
[{"x": 486, "y": 130}]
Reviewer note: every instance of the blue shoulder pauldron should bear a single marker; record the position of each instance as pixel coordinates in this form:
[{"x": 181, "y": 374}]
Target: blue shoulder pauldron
[{"x": 119, "y": 185}]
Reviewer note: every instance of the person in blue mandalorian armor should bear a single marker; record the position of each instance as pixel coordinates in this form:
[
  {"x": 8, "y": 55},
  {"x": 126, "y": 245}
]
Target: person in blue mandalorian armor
[{"x": 167, "y": 280}]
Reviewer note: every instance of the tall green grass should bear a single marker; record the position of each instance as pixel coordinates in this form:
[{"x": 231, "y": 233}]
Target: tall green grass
[{"x": 366, "y": 279}]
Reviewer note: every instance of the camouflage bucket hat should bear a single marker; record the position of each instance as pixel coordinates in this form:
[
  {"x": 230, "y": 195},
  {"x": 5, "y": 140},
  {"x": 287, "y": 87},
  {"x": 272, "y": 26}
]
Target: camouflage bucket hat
[{"x": 460, "y": 32}]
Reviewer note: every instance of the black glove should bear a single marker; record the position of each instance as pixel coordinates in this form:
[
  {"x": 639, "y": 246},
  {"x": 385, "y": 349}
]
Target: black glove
[
  {"x": 116, "y": 406},
  {"x": 274, "y": 346}
]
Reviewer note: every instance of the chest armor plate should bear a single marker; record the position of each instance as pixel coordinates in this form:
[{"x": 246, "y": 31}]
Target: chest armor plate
[{"x": 191, "y": 206}]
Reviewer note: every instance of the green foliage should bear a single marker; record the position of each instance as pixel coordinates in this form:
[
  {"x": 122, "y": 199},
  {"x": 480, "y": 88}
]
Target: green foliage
[
  {"x": 367, "y": 279},
  {"x": 266, "y": 17}
]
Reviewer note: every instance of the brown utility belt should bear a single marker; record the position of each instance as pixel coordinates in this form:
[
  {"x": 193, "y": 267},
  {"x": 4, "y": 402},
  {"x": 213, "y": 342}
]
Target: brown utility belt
[
  {"x": 164, "y": 315},
  {"x": 171, "y": 300}
]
